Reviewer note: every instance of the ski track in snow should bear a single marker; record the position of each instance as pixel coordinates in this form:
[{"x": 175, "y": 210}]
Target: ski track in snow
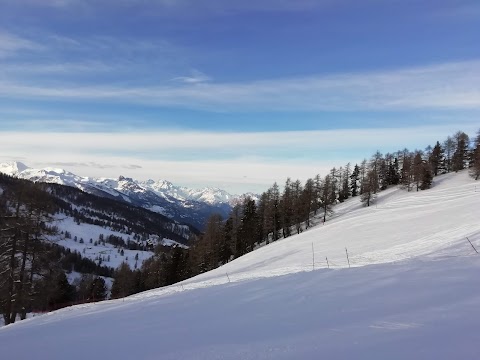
[{"x": 416, "y": 299}]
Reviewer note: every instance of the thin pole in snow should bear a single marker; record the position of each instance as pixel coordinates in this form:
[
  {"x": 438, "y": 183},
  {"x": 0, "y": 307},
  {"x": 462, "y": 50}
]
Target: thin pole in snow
[
  {"x": 228, "y": 277},
  {"x": 313, "y": 257},
  {"x": 472, "y": 245},
  {"x": 346, "y": 251},
  {"x": 328, "y": 265}
]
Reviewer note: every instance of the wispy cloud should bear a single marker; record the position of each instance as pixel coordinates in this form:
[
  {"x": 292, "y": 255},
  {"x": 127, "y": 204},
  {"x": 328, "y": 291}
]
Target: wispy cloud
[
  {"x": 11, "y": 44},
  {"x": 195, "y": 77},
  {"x": 26, "y": 58},
  {"x": 444, "y": 86},
  {"x": 96, "y": 165},
  {"x": 245, "y": 161},
  {"x": 176, "y": 140}
]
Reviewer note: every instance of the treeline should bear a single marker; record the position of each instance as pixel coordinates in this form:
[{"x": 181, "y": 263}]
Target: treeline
[
  {"x": 116, "y": 215},
  {"x": 281, "y": 213},
  {"x": 32, "y": 266}
]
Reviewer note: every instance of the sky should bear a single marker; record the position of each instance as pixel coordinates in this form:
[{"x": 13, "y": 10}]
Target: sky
[{"x": 232, "y": 94}]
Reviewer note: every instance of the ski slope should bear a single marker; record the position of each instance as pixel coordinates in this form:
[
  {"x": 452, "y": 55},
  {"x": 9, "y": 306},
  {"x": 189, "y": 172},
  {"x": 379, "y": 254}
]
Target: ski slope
[
  {"x": 411, "y": 293},
  {"x": 399, "y": 225}
]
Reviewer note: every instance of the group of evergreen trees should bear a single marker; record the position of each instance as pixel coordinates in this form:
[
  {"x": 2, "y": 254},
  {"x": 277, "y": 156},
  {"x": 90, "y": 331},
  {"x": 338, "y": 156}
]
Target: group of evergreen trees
[
  {"x": 281, "y": 213},
  {"x": 32, "y": 267},
  {"x": 32, "y": 271},
  {"x": 25, "y": 225}
]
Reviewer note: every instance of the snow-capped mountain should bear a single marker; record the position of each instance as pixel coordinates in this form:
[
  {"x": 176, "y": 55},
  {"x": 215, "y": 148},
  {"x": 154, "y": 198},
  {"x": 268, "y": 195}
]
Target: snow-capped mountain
[
  {"x": 176, "y": 202},
  {"x": 207, "y": 195}
]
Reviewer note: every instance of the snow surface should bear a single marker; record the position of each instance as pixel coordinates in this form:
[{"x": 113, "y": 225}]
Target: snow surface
[
  {"x": 417, "y": 299},
  {"x": 92, "y": 252}
]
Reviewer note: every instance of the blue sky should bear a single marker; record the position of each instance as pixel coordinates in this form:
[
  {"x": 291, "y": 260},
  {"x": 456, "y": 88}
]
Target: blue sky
[{"x": 228, "y": 93}]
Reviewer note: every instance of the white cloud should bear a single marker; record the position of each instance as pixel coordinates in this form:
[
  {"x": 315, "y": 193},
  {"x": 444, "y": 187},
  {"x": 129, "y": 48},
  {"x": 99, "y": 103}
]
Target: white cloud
[
  {"x": 444, "y": 86},
  {"x": 11, "y": 44},
  {"x": 195, "y": 77},
  {"x": 249, "y": 161}
]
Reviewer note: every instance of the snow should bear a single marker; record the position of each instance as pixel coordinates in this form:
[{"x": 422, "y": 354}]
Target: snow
[
  {"x": 121, "y": 186},
  {"x": 168, "y": 242},
  {"x": 74, "y": 277},
  {"x": 90, "y": 251},
  {"x": 411, "y": 293},
  {"x": 13, "y": 167}
]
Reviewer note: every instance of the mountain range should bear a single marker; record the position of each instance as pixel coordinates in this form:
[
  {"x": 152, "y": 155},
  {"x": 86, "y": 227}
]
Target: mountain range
[{"x": 192, "y": 206}]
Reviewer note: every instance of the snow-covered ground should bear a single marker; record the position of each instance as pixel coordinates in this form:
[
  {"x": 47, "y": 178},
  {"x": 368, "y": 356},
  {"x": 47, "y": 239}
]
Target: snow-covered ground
[
  {"x": 110, "y": 255},
  {"x": 417, "y": 299}
]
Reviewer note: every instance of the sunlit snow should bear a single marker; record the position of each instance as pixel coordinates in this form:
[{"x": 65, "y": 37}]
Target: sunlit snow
[{"x": 410, "y": 294}]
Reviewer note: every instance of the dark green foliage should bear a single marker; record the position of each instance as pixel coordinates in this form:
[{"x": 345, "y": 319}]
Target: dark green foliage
[
  {"x": 354, "y": 179},
  {"x": 436, "y": 159},
  {"x": 124, "y": 282},
  {"x": 475, "y": 158},
  {"x": 460, "y": 156}
]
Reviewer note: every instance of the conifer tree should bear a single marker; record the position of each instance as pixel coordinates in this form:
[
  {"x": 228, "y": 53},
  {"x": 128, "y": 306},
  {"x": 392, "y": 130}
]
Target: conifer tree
[
  {"x": 287, "y": 208},
  {"x": 327, "y": 197},
  {"x": 308, "y": 200},
  {"x": 436, "y": 158},
  {"x": 369, "y": 184},
  {"x": 475, "y": 167},
  {"x": 460, "y": 155},
  {"x": 344, "y": 193},
  {"x": 449, "y": 146},
  {"x": 123, "y": 283},
  {"x": 354, "y": 178},
  {"x": 249, "y": 226},
  {"x": 297, "y": 191}
]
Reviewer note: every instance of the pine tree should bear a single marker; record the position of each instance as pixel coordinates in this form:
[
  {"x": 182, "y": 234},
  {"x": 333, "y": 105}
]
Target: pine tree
[
  {"x": 308, "y": 201},
  {"x": 449, "y": 146},
  {"x": 417, "y": 169},
  {"x": 406, "y": 176},
  {"x": 344, "y": 193},
  {"x": 287, "y": 208},
  {"x": 354, "y": 178},
  {"x": 375, "y": 177},
  {"x": 249, "y": 226},
  {"x": 475, "y": 167},
  {"x": 460, "y": 156},
  {"x": 327, "y": 196},
  {"x": 297, "y": 191},
  {"x": 368, "y": 186},
  {"x": 436, "y": 158},
  {"x": 123, "y": 282}
]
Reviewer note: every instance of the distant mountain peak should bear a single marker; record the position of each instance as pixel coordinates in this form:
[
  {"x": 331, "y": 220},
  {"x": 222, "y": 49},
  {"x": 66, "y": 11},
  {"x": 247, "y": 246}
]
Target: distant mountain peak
[
  {"x": 13, "y": 167},
  {"x": 177, "y": 202},
  {"x": 124, "y": 178}
]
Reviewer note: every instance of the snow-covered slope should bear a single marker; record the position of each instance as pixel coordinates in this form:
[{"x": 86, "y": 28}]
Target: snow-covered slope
[
  {"x": 176, "y": 202},
  {"x": 84, "y": 239},
  {"x": 416, "y": 299}
]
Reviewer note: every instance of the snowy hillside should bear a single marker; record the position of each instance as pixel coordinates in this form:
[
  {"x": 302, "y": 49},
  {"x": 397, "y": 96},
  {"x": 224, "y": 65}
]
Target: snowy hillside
[
  {"x": 410, "y": 294},
  {"x": 176, "y": 202},
  {"x": 84, "y": 239}
]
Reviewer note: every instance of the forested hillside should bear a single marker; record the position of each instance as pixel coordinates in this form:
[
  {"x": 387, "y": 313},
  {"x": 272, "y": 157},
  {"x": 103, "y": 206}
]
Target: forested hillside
[
  {"x": 279, "y": 214},
  {"x": 41, "y": 244}
]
